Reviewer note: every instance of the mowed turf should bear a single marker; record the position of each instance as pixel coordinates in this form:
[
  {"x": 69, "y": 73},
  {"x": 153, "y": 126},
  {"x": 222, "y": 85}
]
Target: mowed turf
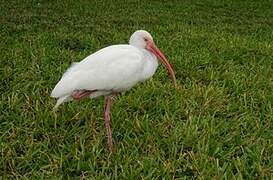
[{"x": 218, "y": 122}]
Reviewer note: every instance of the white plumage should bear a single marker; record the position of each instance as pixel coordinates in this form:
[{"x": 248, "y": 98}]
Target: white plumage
[{"x": 111, "y": 70}]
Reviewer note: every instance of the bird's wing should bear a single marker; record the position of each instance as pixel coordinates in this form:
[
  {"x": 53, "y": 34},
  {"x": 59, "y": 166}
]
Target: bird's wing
[{"x": 114, "y": 68}]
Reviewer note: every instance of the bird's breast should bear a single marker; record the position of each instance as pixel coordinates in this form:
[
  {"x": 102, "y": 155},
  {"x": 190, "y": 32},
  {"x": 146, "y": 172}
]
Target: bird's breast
[{"x": 150, "y": 65}]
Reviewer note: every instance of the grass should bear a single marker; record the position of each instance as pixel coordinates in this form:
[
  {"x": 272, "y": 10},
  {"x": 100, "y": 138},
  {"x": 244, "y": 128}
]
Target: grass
[{"x": 217, "y": 124}]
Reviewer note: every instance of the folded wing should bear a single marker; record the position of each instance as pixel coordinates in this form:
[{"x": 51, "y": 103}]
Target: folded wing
[{"x": 113, "y": 68}]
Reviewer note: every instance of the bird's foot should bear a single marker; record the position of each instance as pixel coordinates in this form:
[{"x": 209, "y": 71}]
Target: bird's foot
[{"x": 79, "y": 94}]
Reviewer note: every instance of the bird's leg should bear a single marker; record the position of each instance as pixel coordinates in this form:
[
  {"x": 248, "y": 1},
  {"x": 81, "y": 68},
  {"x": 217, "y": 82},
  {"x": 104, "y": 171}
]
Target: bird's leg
[
  {"x": 80, "y": 94},
  {"x": 107, "y": 106}
]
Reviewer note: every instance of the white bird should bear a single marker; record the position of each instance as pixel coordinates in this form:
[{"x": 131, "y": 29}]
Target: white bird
[{"x": 111, "y": 70}]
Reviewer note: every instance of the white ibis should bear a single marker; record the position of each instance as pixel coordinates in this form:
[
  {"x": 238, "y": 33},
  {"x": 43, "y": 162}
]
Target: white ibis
[{"x": 111, "y": 70}]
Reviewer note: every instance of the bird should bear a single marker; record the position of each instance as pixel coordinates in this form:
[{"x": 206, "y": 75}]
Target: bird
[{"x": 110, "y": 71}]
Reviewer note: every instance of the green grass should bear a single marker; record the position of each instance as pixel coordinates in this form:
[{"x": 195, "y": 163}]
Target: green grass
[{"x": 217, "y": 124}]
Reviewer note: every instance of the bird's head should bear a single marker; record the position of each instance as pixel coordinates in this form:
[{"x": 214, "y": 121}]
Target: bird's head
[{"x": 143, "y": 40}]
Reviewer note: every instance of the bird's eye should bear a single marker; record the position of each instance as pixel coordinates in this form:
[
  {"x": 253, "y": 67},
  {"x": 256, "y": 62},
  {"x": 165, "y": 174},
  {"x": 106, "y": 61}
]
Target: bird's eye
[{"x": 145, "y": 39}]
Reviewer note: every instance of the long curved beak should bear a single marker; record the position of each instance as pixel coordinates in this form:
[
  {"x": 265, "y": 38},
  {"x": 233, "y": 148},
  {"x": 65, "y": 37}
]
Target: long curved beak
[{"x": 156, "y": 51}]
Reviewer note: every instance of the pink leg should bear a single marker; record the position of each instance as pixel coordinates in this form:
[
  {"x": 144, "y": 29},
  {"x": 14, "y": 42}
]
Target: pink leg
[
  {"x": 79, "y": 94},
  {"x": 107, "y": 105}
]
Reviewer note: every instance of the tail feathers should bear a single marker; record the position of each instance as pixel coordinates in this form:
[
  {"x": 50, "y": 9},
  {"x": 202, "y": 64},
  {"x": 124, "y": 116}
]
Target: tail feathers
[{"x": 60, "y": 101}]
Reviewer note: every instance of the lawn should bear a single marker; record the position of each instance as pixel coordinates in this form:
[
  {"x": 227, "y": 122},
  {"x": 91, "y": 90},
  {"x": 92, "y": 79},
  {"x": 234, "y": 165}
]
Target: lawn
[{"x": 218, "y": 122}]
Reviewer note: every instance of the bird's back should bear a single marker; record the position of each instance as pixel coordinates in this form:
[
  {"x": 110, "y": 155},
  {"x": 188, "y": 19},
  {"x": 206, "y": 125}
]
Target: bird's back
[{"x": 116, "y": 68}]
